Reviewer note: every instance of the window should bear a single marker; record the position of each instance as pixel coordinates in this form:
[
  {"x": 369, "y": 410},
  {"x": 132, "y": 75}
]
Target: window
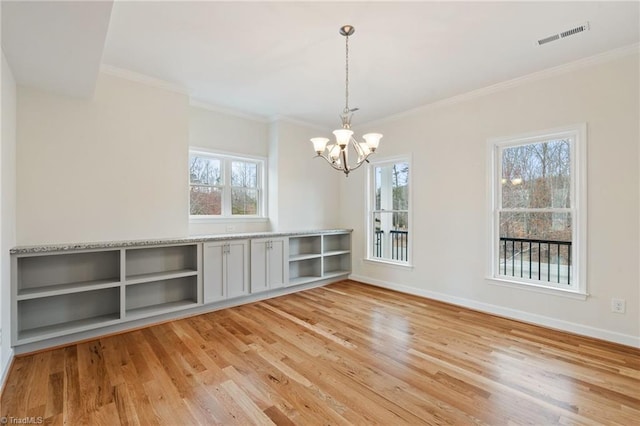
[
  {"x": 225, "y": 186},
  {"x": 538, "y": 212},
  {"x": 389, "y": 215}
]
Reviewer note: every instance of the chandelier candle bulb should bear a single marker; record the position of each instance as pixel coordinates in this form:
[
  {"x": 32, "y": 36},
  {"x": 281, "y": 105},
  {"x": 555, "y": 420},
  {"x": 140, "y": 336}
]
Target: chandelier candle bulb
[
  {"x": 337, "y": 155},
  {"x": 372, "y": 140},
  {"x": 343, "y": 136},
  {"x": 334, "y": 153},
  {"x": 364, "y": 146},
  {"x": 319, "y": 144}
]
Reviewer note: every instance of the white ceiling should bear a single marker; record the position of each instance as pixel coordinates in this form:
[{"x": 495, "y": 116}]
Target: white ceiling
[{"x": 287, "y": 59}]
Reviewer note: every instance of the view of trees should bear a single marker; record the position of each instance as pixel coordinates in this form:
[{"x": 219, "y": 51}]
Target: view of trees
[
  {"x": 205, "y": 177},
  {"x": 536, "y": 196},
  {"x": 207, "y": 186},
  {"x": 536, "y": 176},
  {"x": 398, "y": 205},
  {"x": 244, "y": 181},
  {"x": 391, "y": 215}
]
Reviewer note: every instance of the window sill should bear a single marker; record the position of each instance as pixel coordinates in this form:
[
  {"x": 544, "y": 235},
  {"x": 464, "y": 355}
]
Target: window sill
[
  {"x": 538, "y": 288},
  {"x": 244, "y": 219},
  {"x": 381, "y": 262}
]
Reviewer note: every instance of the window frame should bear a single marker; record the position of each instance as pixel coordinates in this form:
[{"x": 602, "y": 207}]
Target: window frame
[
  {"x": 226, "y": 158},
  {"x": 578, "y": 209},
  {"x": 370, "y": 210}
]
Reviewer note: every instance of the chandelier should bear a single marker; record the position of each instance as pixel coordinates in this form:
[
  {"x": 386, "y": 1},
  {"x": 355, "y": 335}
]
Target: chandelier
[{"x": 337, "y": 154}]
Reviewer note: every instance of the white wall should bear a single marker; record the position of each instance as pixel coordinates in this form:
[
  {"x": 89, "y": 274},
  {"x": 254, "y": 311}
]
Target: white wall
[
  {"x": 233, "y": 134},
  {"x": 110, "y": 168},
  {"x": 115, "y": 167},
  {"x": 450, "y": 238},
  {"x": 306, "y": 189},
  {"x": 221, "y": 131},
  {"x": 7, "y": 207}
]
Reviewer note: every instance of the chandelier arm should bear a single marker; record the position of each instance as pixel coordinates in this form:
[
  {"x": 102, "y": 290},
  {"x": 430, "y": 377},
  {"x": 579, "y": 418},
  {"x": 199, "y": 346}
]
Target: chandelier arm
[
  {"x": 331, "y": 163},
  {"x": 345, "y": 164},
  {"x": 358, "y": 164},
  {"x": 358, "y": 148}
]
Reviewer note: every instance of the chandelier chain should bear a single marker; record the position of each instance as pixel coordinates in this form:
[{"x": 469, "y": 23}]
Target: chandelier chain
[{"x": 346, "y": 81}]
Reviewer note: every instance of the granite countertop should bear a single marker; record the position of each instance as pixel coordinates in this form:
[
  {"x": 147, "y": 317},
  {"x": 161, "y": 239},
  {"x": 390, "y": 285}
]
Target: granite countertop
[{"x": 46, "y": 248}]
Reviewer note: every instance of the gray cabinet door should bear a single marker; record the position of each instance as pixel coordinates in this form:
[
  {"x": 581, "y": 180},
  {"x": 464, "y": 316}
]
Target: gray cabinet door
[
  {"x": 237, "y": 268},
  {"x": 269, "y": 264},
  {"x": 276, "y": 267},
  {"x": 214, "y": 258},
  {"x": 259, "y": 266}
]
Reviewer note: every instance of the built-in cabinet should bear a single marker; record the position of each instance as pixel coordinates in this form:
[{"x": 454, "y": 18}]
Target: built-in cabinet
[
  {"x": 57, "y": 292},
  {"x": 319, "y": 257},
  {"x": 226, "y": 270},
  {"x": 336, "y": 255},
  {"x": 305, "y": 259},
  {"x": 160, "y": 280},
  {"x": 60, "y": 293},
  {"x": 269, "y": 264}
]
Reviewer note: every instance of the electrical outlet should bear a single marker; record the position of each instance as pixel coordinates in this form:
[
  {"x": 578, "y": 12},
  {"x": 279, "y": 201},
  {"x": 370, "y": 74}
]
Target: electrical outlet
[{"x": 618, "y": 306}]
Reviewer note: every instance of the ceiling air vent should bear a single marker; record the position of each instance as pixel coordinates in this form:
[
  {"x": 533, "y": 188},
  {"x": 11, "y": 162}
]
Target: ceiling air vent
[
  {"x": 563, "y": 34},
  {"x": 548, "y": 39},
  {"x": 576, "y": 30}
]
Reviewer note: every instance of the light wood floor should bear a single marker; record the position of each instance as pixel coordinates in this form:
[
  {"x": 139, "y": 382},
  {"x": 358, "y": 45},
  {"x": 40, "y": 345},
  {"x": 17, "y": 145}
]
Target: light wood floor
[{"x": 343, "y": 354}]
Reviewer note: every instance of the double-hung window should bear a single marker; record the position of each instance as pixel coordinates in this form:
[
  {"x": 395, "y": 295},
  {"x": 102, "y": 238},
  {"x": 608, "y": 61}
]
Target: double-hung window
[
  {"x": 225, "y": 186},
  {"x": 539, "y": 209},
  {"x": 389, "y": 217}
]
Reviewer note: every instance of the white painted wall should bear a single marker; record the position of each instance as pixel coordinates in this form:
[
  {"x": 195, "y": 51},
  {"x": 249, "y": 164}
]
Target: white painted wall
[
  {"x": 132, "y": 140},
  {"x": 226, "y": 132},
  {"x": 110, "y": 168},
  {"x": 220, "y": 131},
  {"x": 450, "y": 238},
  {"x": 306, "y": 189},
  {"x": 7, "y": 207}
]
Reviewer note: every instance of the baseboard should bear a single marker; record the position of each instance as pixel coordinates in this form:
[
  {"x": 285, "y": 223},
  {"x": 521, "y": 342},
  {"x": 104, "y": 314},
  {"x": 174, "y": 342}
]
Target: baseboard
[
  {"x": 571, "y": 327},
  {"x": 4, "y": 372}
]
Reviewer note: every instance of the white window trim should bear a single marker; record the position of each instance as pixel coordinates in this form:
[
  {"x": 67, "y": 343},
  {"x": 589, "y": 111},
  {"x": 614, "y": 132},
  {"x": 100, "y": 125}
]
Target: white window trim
[
  {"x": 369, "y": 199},
  {"x": 226, "y": 215},
  {"x": 578, "y": 210}
]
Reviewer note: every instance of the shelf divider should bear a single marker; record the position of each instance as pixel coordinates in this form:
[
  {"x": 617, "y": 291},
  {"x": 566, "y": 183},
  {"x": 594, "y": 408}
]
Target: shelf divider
[{"x": 60, "y": 289}]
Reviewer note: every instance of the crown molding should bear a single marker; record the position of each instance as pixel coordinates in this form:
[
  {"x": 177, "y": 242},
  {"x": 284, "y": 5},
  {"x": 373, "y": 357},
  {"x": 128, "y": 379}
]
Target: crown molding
[
  {"x": 276, "y": 118},
  {"x": 165, "y": 85},
  {"x": 142, "y": 78},
  {"x": 197, "y": 103},
  {"x": 600, "y": 58}
]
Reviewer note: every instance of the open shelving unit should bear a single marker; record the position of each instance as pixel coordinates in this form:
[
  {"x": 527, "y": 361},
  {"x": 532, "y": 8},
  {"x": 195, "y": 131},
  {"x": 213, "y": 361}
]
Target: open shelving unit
[
  {"x": 59, "y": 292},
  {"x": 160, "y": 280},
  {"x": 56, "y": 294},
  {"x": 152, "y": 297},
  {"x": 305, "y": 259},
  {"x": 51, "y": 316},
  {"x": 317, "y": 257},
  {"x": 336, "y": 255},
  {"x": 44, "y": 276},
  {"x": 336, "y": 244}
]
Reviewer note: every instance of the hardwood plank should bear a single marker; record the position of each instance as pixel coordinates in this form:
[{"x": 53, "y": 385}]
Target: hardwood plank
[{"x": 346, "y": 353}]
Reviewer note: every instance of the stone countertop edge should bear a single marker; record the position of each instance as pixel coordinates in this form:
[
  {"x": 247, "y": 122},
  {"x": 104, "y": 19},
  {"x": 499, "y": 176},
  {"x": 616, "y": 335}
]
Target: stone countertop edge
[{"x": 51, "y": 248}]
